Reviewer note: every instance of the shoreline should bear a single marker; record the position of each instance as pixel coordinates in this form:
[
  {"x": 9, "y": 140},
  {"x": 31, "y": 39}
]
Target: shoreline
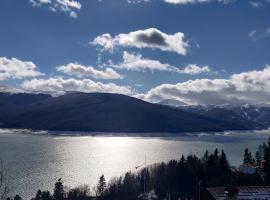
[{"x": 122, "y": 134}]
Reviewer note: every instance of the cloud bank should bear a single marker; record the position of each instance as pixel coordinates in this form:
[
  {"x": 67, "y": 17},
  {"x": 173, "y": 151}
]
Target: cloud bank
[
  {"x": 136, "y": 62},
  {"x": 148, "y": 38},
  {"x": 61, "y": 85},
  {"x": 195, "y": 1},
  {"x": 247, "y": 87},
  {"x": 16, "y": 69},
  {"x": 67, "y": 6},
  {"x": 76, "y": 69}
]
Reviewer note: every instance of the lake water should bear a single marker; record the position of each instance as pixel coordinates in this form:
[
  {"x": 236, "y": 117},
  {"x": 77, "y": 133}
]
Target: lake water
[{"x": 37, "y": 161}]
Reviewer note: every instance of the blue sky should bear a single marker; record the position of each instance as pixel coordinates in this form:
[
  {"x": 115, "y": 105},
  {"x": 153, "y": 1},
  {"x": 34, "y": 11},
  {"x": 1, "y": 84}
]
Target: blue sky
[{"x": 195, "y": 51}]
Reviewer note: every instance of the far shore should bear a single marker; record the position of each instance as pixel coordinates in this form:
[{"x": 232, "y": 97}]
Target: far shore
[{"x": 123, "y": 134}]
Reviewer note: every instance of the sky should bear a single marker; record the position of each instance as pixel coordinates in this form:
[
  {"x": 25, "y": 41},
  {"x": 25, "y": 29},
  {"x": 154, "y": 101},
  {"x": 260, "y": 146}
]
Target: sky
[{"x": 193, "y": 51}]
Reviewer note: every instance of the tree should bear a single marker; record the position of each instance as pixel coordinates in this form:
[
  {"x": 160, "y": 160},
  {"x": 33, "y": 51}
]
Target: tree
[
  {"x": 248, "y": 157},
  {"x": 59, "y": 192},
  {"x": 46, "y": 195},
  {"x": 17, "y": 197},
  {"x": 205, "y": 156},
  {"x": 224, "y": 164},
  {"x": 38, "y": 195},
  {"x": 81, "y": 193},
  {"x": 101, "y": 187},
  {"x": 259, "y": 156},
  {"x": 216, "y": 156}
]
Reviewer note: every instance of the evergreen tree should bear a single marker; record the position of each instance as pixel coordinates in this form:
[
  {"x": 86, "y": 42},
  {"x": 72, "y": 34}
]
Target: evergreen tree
[
  {"x": 17, "y": 197},
  {"x": 101, "y": 187},
  {"x": 224, "y": 164},
  {"x": 248, "y": 157},
  {"x": 46, "y": 195},
  {"x": 79, "y": 193},
  {"x": 38, "y": 195},
  {"x": 205, "y": 156},
  {"x": 216, "y": 156},
  {"x": 259, "y": 155},
  {"x": 182, "y": 161},
  {"x": 59, "y": 193}
]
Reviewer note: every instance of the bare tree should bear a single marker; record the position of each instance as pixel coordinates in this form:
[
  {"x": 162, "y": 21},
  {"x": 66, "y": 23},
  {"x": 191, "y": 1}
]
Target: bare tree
[{"x": 3, "y": 186}]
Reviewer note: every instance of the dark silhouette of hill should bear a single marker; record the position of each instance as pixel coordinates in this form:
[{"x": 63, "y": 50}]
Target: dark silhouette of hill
[
  {"x": 12, "y": 103},
  {"x": 254, "y": 116},
  {"x": 103, "y": 112}
]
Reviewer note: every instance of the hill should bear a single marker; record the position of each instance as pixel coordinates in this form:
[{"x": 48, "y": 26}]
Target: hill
[{"x": 104, "y": 112}]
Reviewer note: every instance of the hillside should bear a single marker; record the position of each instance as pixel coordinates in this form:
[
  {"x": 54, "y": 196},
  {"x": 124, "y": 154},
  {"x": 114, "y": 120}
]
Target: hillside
[{"x": 104, "y": 112}]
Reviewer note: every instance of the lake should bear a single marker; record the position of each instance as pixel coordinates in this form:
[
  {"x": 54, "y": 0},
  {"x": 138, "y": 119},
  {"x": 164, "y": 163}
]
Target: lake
[{"x": 36, "y": 161}]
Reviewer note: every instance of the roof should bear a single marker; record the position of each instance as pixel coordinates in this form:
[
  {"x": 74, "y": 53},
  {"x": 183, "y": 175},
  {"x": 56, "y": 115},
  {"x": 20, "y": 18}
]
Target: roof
[
  {"x": 245, "y": 193},
  {"x": 247, "y": 169}
]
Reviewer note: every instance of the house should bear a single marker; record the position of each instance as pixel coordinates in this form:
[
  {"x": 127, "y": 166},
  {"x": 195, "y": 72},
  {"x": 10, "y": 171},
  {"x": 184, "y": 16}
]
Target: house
[
  {"x": 237, "y": 193},
  {"x": 247, "y": 169}
]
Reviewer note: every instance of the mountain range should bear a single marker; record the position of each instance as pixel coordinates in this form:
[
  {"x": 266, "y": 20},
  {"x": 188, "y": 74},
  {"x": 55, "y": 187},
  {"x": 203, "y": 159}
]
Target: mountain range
[{"x": 106, "y": 112}]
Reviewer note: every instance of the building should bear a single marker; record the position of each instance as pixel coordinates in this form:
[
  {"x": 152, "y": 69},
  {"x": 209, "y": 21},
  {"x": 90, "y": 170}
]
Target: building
[
  {"x": 247, "y": 169},
  {"x": 237, "y": 193}
]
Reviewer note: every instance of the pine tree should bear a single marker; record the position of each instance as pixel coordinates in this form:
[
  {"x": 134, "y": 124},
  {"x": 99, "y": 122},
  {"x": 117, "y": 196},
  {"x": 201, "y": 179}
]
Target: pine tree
[
  {"x": 59, "y": 193},
  {"x": 38, "y": 195},
  {"x": 248, "y": 157},
  {"x": 183, "y": 160},
  {"x": 101, "y": 187},
  {"x": 259, "y": 155},
  {"x": 224, "y": 164},
  {"x": 205, "y": 156},
  {"x": 46, "y": 195},
  {"x": 17, "y": 197},
  {"x": 258, "y": 158},
  {"x": 216, "y": 156}
]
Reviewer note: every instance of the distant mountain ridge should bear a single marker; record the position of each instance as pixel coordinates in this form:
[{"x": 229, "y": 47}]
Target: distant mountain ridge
[
  {"x": 257, "y": 116},
  {"x": 172, "y": 102},
  {"x": 106, "y": 112}
]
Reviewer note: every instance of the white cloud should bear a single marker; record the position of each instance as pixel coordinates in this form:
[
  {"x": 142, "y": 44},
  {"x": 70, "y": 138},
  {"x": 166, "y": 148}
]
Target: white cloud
[
  {"x": 136, "y": 62},
  {"x": 148, "y": 38},
  {"x": 258, "y": 81},
  {"x": 76, "y": 69},
  {"x": 252, "y": 33},
  {"x": 40, "y": 2},
  {"x": 259, "y": 3},
  {"x": 183, "y": 2},
  {"x": 9, "y": 89},
  {"x": 67, "y": 6},
  {"x": 255, "y": 4},
  {"x": 60, "y": 85},
  {"x": 247, "y": 87},
  {"x": 137, "y": 1},
  {"x": 256, "y": 35},
  {"x": 195, "y": 69},
  {"x": 195, "y": 1},
  {"x": 17, "y": 69},
  {"x": 267, "y": 32}
]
